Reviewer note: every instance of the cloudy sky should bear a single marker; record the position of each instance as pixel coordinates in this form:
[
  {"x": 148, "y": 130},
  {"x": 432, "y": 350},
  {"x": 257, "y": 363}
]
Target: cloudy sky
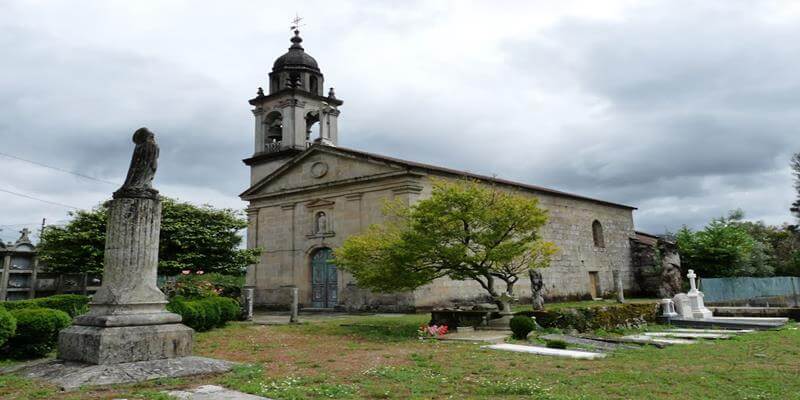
[{"x": 684, "y": 109}]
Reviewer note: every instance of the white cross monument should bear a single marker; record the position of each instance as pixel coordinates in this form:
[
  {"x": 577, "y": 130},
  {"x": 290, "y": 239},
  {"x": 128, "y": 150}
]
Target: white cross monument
[{"x": 699, "y": 310}]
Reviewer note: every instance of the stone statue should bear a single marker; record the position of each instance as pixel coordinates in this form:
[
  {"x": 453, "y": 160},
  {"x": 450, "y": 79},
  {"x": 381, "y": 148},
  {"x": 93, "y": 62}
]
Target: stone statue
[
  {"x": 143, "y": 166},
  {"x": 322, "y": 223},
  {"x": 536, "y": 289}
]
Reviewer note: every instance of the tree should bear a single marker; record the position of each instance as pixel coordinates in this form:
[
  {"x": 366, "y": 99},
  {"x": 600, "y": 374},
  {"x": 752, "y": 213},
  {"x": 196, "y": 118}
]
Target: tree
[
  {"x": 465, "y": 230},
  {"x": 795, "y": 163},
  {"x": 196, "y": 238},
  {"x": 724, "y": 248}
]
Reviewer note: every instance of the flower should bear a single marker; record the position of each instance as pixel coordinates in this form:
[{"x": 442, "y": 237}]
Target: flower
[
  {"x": 200, "y": 272},
  {"x": 432, "y": 330},
  {"x": 186, "y": 272}
]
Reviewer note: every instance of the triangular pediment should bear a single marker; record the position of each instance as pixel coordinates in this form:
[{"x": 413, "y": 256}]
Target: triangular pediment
[
  {"x": 322, "y": 166},
  {"x": 319, "y": 203}
]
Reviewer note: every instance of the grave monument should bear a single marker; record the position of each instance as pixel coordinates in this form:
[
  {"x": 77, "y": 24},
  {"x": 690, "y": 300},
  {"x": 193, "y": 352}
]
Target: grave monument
[
  {"x": 699, "y": 310},
  {"x": 127, "y": 320}
]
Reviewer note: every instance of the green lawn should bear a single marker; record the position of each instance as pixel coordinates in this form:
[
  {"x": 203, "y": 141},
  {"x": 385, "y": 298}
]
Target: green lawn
[{"x": 381, "y": 358}]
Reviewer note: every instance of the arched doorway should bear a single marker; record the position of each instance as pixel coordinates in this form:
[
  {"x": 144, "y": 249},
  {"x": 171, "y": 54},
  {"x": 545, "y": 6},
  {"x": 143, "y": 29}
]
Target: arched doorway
[{"x": 324, "y": 280}]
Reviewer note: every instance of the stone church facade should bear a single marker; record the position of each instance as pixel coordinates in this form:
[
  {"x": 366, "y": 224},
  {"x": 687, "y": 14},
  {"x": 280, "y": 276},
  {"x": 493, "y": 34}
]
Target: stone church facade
[{"x": 307, "y": 195}]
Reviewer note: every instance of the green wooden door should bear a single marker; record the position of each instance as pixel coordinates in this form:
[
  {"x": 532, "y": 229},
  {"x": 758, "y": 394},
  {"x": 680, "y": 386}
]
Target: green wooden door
[{"x": 324, "y": 280}]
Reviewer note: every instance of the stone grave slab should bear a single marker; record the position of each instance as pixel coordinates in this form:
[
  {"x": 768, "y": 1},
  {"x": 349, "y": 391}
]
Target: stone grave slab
[
  {"x": 212, "y": 392},
  {"x": 479, "y": 336},
  {"x": 723, "y": 331},
  {"x": 70, "y": 375},
  {"x": 545, "y": 351},
  {"x": 660, "y": 340},
  {"x": 597, "y": 344},
  {"x": 689, "y": 335}
]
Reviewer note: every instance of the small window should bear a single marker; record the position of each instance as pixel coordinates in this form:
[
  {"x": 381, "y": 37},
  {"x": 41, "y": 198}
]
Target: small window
[
  {"x": 314, "y": 85},
  {"x": 597, "y": 234}
]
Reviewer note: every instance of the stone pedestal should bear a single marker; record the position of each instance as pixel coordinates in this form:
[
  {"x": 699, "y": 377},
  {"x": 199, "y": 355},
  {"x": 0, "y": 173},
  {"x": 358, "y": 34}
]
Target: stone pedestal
[
  {"x": 127, "y": 320},
  {"x": 504, "y": 322},
  {"x": 668, "y": 308}
]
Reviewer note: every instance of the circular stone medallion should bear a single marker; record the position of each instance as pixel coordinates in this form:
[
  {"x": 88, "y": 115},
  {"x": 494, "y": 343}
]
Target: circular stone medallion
[{"x": 319, "y": 169}]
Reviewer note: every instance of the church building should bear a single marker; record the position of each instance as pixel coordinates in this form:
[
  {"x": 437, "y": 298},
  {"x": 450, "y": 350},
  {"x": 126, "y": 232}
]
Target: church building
[{"x": 307, "y": 195}]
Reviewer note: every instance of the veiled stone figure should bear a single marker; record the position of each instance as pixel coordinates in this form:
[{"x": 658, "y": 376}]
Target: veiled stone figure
[
  {"x": 536, "y": 289},
  {"x": 144, "y": 163}
]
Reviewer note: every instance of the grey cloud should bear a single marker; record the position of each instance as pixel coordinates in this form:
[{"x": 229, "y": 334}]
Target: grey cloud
[{"x": 684, "y": 109}]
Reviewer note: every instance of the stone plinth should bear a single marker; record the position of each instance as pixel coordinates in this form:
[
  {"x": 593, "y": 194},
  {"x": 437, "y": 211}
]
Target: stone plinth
[
  {"x": 70, "y": 375},
  {"x": 124, "y": 344},
  {"x": 127, "y": 321}
]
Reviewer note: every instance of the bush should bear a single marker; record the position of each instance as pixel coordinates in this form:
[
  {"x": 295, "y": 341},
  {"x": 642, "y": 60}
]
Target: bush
[
  {"x": 206, "y": 285},
  {"x": 204, "y": 314},
  {"x": 72, "y": 304},
  {"x": 556, "y": 344},
  {"x": 37, "y": 332},
  {"x": 8, "y": 325},
  {"x": 521, "y": 326},
  {"x": 584, "y": 319}
]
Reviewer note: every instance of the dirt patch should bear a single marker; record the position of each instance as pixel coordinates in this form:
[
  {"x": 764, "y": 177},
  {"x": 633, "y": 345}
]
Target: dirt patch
[{"x": 285, "y": 354}]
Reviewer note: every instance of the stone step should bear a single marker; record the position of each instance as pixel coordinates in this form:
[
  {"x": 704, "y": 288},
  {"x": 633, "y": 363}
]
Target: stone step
[{"x": 545, "y": 351}]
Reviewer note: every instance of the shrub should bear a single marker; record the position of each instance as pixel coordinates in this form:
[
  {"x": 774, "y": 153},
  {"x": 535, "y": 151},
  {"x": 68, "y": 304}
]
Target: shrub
[
  {"x": 584, "y": 319},
  {"x": 8, "y": 325},
  {"x": 556, "y": 344},
  {"x": 521, "y": 326},
  {"x": 207, "y": 313},
  {"x": 72, "y": 304},
  {"x": 206, "y": 285},
  {"x": 37, "y": 332}
]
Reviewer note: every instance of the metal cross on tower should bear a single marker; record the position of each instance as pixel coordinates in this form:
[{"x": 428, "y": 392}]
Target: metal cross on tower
[{"x": 296, "y": 22}]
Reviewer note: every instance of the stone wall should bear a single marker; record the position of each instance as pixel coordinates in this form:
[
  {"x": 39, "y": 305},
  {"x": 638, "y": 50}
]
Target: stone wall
[{"x": 570, "y": 228}]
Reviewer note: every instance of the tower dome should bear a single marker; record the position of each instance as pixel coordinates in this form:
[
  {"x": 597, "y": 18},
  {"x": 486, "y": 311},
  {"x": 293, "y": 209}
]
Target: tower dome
[
  {"x": 296, "y": 57},
  {"x": 296, "y": 69}
]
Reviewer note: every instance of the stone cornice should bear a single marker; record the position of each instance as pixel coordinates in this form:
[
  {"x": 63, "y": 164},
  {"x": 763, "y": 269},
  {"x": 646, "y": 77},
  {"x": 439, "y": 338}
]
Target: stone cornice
[
  {"x": 337, "y": 183},
  {"x": 293, "y": 93}
]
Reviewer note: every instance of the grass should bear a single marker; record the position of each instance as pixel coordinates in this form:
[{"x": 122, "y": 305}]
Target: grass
[{"x": 381, "y": 358}]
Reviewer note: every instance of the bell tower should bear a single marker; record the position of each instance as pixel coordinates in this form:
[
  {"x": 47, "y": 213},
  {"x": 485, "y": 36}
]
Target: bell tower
[{"x": 295, "y": 113}]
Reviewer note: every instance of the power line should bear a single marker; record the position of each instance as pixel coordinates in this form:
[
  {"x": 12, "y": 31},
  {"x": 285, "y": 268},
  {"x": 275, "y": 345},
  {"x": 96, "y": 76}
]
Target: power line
[
  {"x": 38, "y": 199},
  {"x": 58, "y": 169}
]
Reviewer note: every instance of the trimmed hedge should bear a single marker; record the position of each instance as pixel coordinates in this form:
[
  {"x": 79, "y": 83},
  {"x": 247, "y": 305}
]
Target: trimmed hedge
[
  {"x": 207, "y": 313},
  {"x": 585, "y": 319},
  {"x": 72, "y": 304},
  {"x": 521, "y": 326},
  {"x": 8, "y": 325},
  {"x": 37, "y": 332}
]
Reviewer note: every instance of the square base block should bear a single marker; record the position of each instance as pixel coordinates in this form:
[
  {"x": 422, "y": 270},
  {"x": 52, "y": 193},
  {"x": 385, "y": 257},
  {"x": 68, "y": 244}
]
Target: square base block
[{"x": 124, "y": 344}]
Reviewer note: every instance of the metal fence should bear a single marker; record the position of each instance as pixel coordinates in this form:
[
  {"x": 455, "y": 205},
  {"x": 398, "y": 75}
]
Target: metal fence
[{"x": 780, "y": 291}]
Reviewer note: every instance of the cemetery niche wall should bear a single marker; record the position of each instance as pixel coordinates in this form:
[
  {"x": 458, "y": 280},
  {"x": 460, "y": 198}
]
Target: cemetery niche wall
[{"x": 23, "y": 277}]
